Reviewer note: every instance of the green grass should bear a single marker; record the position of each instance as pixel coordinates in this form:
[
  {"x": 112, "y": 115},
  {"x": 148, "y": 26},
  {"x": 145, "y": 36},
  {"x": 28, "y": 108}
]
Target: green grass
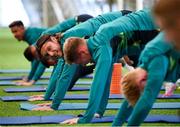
[
  {"x": 11, "y": 52},
  {"x": 11, "y": 56}
]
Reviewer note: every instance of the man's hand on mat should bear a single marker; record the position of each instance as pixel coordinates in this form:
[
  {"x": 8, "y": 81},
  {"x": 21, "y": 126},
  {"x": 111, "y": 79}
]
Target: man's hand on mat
[
  {"x": 36, "y": 98},
  {"x": 70, "y": 121},
  {"x": 19, "y": 82},
  {"x": 24, "y": 79},
  {"x": 43, "y": 108},
  {"x": 30, "y": 83},
  {"x": 44, "y": 104}
]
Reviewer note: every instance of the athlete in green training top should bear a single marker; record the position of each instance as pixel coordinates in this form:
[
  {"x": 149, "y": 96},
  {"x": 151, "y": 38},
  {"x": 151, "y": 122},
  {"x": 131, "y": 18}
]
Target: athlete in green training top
[
  {"x": 80, "y": 70},
  {"x": 29, "y": 35},
  {"x": 158, "y": 62},
  {"x": 98, "y": 49}
]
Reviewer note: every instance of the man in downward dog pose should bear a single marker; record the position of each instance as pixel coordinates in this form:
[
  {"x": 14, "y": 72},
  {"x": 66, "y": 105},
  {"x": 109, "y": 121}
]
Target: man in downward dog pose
[
  {"x": 159, "y": 62},
  {"x": 55, "y": 32},
  {"x": 29, "y": 35}
]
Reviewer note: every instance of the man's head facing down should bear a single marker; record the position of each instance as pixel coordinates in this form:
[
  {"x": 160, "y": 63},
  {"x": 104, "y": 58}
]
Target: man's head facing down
[
  {"x": 76, "y": 51},
  {"x": 17, "y": 29},
  {"x": 30, "y": 53},
  {"x": 48, "y": 47},
  {"x": 167, "y": 14},
  {"x": 133, "y": 84}
]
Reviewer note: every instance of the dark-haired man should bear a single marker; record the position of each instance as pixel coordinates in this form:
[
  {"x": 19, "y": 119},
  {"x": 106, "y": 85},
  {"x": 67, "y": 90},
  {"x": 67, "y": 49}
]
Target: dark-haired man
[
  {"x": 80, "y": 71},
  {"x": 29, "y": 35}
]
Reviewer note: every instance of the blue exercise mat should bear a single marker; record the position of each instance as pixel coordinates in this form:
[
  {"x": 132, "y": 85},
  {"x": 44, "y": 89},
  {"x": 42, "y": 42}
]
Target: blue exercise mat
[
  {"x": 39, "y": 89},
  {"x": 31, "y": 89},
  {"x": 78, "y": 97},
  {"x": 56, "y": 119},
  {"x": 12, "y": 83},
  {"x": 2, "y": 78},
  {"x": 82, "y": 106},
  {"x": 20, "y": 71}
]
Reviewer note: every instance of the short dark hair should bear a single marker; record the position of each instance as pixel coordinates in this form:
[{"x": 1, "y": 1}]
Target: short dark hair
[
  {"x": 43, "y": 39},
  {"x": 28, "y": 54},
  {"x": 16, "y": 23},
  {"x": 40, "y": 42}
]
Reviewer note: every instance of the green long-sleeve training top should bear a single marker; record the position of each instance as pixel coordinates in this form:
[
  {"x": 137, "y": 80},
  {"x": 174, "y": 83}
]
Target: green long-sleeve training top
[
  {"x": 31, "y": 36},
  {"x": 59, "y": 28},
  {"x": 155, "y": 59},
  {"x": 87, "y": 28},
  {"x": 101, "y": 53}
]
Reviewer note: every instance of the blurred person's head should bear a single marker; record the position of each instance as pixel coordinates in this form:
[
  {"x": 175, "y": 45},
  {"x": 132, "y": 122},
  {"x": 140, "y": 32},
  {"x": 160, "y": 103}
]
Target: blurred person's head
[
  {"x": 48, "y": 46},
  {"x": 76, "y": 51},
  {"x": 30, "y": 53},
  {"x": 17, "y": 29},
  {"x": 167, "y": 14},
  {"x": 133, "y": 85}
]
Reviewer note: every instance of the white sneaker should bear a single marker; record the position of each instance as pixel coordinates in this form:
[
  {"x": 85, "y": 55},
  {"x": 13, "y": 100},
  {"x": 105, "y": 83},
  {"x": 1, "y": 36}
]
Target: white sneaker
[
  {"x": 178, "y": 83},
  {"x": 169, "y": 89},
  {"x": 96, "y": 115}
]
